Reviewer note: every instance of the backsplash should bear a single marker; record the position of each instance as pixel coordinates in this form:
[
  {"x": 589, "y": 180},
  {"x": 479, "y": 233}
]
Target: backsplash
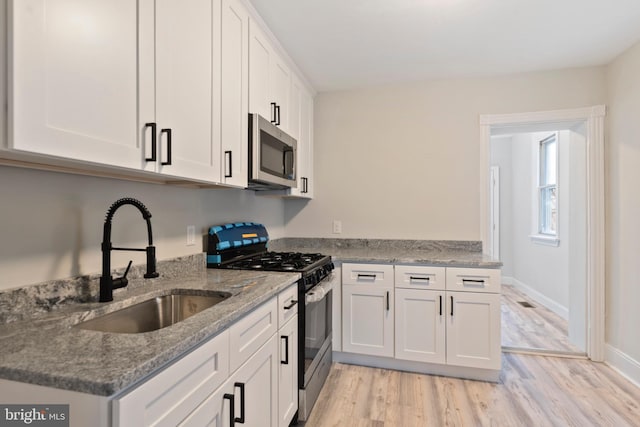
[
  {"x": 29, "y": 301},
  {"x": 430, "y": 245}
]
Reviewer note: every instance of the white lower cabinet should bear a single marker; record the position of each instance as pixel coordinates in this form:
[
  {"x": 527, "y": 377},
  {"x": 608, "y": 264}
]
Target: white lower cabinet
[
  {"x": 367, "y": 315},
  {"x": 473, "y": 329},
  {"x": 247, "y": 375},
  {"x": 442, "y": 316},
  {"x": 168, "y": 397},
  {"x": 420, "y": 326},
  {"x": 288, "y": 372}
]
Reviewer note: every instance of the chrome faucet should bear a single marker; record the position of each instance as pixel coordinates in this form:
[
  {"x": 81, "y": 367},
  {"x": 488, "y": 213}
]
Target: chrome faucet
[{"x": 107, "y": 282}]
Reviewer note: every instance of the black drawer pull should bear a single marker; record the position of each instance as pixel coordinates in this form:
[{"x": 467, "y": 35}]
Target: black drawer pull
[
  {"x": 240, "y": 419},
  {"x": 154, "y": 148},
  {"x": 232, "y": 408},
  {"x": 168, "y": 132},
  {"x": 368, "y": 276},
  {"x": 290, "y": 306},
  {"x": 229, "y": 155},
  {"x": 419, "y": 278},
  {"x": 286, "y": 351},
  {"x": 473, "y": 281}
]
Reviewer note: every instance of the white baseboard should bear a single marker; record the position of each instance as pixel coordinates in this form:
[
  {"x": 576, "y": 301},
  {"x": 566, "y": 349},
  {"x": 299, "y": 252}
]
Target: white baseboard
[
  {"x": 624, "y": 364},
  {"x": 560, "y": 310}
]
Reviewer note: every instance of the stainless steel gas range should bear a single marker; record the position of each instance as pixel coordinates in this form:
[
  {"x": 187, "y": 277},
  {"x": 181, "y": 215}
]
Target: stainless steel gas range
[{"x": 243, "y": 246}]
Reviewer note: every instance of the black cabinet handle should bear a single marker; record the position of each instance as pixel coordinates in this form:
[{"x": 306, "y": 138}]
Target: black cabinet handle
[
  {"x": 277, "y": 115},
  {"x": 387, "y": 300},
  {"x": 290, "y": 306},
  {"x": 452, "y": 305},
  {"x": 370, "y": 276},
  {"x": 154, "y": 149},
  {"x": 273, "y": 113},
  {"x": 232, "y": 408},
  {"x": 440, "y": 304},
  {"x": 286, "y": 351},
  {"x": 230, "y": 163},
  {"x": 168, "y": 132},
  {"x": 305, "y": 186},
  {"x": 240, "y": 419},
  {"x": 473, "y": 281},
  {"x": 419, "y": 278}
]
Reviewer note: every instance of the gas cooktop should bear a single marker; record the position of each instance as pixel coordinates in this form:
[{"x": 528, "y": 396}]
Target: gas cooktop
[{"x": 278, "y": 261}]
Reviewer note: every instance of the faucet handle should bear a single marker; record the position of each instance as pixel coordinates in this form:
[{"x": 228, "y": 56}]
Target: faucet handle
[{"x": 121, "y": 282}]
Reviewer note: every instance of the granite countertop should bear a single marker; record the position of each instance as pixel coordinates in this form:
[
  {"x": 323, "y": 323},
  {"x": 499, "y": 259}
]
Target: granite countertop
[
  {"x": 47, "y": 350},
  {"x": 426, "y": 252}
]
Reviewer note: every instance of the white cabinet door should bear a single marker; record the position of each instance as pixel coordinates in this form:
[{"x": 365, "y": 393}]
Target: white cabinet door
[
  {"x": 73, "y": 80},
  {"x": 249, "y": 333},
  {"x": 186, "y": 68},
  {"x": 256, "y": 383},
  {"x": 234, "y": 93},
  {"x": 288, "y": 372},
  {"x": 259, "y": 63},
  {"x": 280, "y": 89},
  {"x": 367, "y": 319},
  {"x": 301, "y": 126},
  {"x": 171, "y": 395},
  {"x": 216, "y": 411},
  {"x": 473, "y": 329},
  {"x": 420, "y": 326}
]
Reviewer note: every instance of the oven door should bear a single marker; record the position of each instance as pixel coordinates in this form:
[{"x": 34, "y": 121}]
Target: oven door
[{"x": 317, "y": 327}]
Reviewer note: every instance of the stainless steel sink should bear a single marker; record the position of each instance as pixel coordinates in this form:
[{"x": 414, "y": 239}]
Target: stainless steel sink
[{"x": 155, "y": 313}]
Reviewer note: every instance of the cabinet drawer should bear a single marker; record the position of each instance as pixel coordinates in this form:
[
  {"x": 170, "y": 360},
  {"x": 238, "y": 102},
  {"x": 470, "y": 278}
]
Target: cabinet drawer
[
  {"x": 473, "y": 279},
  {"x": 367, "y": 274},
  {"x": 287, "y": 304},
  {"x": 250, "y": 332},
  {"x": 167, "y": 398},
  {"x": 420, "y": 277}
]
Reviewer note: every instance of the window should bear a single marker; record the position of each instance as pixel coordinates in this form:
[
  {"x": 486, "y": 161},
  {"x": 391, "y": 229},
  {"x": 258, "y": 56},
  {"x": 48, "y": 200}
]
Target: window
[{"x": 548, "y": 187}]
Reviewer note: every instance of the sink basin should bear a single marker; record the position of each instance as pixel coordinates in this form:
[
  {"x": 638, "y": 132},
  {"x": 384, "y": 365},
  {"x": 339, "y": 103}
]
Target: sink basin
[{"x": 155, "y": 313}]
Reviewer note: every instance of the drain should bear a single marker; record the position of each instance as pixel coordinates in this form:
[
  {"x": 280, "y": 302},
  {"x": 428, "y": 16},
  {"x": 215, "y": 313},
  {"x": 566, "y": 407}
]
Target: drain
[{"x": 526, "y": 304}]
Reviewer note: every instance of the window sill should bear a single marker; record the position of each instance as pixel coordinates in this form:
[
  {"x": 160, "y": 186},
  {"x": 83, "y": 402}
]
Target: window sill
[{"x": 542, "y": 239}]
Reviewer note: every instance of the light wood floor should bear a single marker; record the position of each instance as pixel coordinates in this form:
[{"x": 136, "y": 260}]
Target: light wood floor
[
  {"x": 533, "y": 391},
  {"x": 532, "y": 328}
]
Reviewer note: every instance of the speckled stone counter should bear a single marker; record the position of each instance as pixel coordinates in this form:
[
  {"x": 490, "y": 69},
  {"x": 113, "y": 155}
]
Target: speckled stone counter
[
  {"x": 47, "y": 350},
  {"x": 426, "y": 252}
]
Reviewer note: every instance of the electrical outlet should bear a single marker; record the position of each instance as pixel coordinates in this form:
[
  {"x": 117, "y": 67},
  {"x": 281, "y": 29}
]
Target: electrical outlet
[
  {"x": 191, "y": 235},
  {"x": 337, "y": 226}
]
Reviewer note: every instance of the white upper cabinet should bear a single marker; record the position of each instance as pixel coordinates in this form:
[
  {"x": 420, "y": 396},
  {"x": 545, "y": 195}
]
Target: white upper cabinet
[
  {"x": 301, "y": 127},
  {"x": 269, "y": 80},
  {"x": 185, "y": 75},
  {"x": 160, "y": 86},
  {"x": 73, "y": 80},
  {"x": 234, "y": 93}
]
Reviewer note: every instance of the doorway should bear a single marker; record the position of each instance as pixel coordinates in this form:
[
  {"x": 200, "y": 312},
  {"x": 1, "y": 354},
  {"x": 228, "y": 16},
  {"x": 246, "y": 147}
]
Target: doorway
[
  {"x": 539, "y": 220},
  {"x": 592, "y": 121}
]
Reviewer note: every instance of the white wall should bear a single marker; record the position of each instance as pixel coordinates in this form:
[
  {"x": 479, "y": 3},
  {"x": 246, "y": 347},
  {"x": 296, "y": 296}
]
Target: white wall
[
  {"x": 403, "y": 161},
  {"x": 501, "y": 156},
  {"x": 623, "y": 205},
  {"x": 51, "y": 223}
]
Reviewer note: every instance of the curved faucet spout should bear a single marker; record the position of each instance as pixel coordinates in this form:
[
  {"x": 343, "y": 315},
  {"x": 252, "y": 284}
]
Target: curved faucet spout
[{"x": 107, "y": 283}]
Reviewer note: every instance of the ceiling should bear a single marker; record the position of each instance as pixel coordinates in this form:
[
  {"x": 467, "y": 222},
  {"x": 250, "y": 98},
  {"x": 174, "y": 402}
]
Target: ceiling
[{"x": 343, "y": 44}]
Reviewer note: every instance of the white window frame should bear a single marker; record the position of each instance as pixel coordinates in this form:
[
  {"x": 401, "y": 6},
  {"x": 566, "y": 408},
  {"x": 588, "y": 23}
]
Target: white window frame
[{"x": 538, "y": 236}]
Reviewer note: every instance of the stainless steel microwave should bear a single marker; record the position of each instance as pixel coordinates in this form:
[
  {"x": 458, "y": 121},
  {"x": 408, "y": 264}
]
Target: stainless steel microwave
[{"x": 272, "y": 156}]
